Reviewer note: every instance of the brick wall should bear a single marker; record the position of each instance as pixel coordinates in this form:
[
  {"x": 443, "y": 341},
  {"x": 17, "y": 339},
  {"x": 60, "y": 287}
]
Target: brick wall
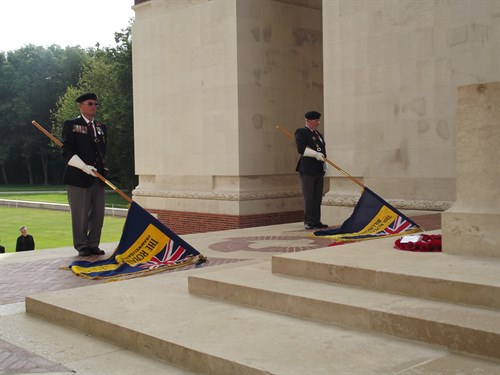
[{"x": 195, "y": 222}]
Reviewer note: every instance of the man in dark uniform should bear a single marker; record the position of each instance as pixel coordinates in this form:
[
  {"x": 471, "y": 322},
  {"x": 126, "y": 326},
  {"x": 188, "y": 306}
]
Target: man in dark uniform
[
  {"x": 25, "y": 241},
  {"x": 84, "y": 148},
  {"x": 311, "y": 167}
]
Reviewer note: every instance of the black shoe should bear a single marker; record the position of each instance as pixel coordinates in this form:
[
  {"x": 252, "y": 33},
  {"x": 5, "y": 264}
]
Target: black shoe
[
  {"x": 308, "y": 226},
  {"x": 84, "y": 252},
  {"x": 320, "y": 225},
  {"x": 96, "y": 251}
]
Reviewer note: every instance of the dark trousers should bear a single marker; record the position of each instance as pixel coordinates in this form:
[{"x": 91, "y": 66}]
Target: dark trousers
[
  {"x": 312, "y": 191},
  {"x": 87, "y": 214}
]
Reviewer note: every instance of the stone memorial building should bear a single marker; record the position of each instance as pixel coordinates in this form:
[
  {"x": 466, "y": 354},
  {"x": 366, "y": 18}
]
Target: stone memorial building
[{"x": 213, "y": 78}]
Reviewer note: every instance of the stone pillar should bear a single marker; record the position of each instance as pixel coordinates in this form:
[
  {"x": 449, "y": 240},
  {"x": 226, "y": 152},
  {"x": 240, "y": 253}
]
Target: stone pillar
[
  {"x": 472, "y": 225},
  {"x": 211, "y": 81},
  {"x": 391, "y": 72}
]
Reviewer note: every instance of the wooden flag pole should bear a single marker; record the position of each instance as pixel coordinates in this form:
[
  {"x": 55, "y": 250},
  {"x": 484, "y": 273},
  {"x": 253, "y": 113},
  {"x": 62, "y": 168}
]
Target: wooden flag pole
[
  {"x": 289, "y": 135},
  {"x": 42, "y": 129},
  {"x": 98, "y": 175}
]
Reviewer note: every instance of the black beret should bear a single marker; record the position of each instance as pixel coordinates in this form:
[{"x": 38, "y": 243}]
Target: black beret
[
  {"x": 86, "y": 96},
  {"x": 313, "y": 115}
]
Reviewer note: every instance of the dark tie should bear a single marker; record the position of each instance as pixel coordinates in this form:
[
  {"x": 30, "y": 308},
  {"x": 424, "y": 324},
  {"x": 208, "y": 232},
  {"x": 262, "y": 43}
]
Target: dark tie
[
  {"x": 317, "y": 136},
  {"x": 91, "y": 126}
]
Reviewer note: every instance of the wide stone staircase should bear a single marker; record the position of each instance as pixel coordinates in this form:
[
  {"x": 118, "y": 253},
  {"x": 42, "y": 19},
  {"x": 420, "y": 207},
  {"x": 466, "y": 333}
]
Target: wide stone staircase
[
  {"x": 362, "y": 308},
  {"x": 435, "y": 306}
]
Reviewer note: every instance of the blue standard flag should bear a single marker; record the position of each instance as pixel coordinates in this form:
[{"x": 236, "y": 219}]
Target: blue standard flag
[
  {"x": 372, "y": 218},
  {"x": 146, "y": 246}
]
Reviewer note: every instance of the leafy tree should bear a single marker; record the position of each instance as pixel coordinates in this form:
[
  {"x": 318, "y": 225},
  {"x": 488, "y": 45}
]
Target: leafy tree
[
  {"x": 32, "y": 80},
  {"x": 121, "y": 113},
  {"x": 5, "y": 121},
  {"x": 41, "y": 84}
]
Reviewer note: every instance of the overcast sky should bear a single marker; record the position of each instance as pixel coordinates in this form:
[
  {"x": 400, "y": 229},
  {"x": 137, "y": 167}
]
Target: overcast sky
[{"x": 62, "y": 22}]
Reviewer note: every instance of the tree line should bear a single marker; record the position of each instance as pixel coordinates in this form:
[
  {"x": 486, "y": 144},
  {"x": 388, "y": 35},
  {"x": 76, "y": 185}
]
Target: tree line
[{"x": 41, "y": 84}]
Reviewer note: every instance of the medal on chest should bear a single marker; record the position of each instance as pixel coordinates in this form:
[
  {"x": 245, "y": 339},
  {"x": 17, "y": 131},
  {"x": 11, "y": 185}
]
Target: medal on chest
[{"x": 317, "y": 141}]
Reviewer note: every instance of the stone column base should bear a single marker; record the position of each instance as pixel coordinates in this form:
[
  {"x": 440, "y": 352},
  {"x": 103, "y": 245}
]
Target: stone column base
[
  {"x": 213, "y": 203},
  {"x": 199, "y": 222},
  {"x": 336, "y": 208},
  {"x": 471, "y": 234}
]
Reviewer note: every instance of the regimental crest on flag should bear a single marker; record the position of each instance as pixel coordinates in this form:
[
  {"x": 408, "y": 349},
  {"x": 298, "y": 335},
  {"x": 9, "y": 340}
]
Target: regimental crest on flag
[
  {"x": 146, "y": 246},
  {"x": 372, "y": 218}
]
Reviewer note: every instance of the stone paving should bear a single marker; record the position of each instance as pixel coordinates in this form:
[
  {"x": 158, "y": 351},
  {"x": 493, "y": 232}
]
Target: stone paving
[{"x": 44, "y": 275}]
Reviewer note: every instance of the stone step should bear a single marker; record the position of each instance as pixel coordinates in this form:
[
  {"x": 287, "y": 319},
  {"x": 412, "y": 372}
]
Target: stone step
[
  {"x": 460, "y": 328},
  {"x": 157, "y": 316},
  {"x": 378, "y": 266}
]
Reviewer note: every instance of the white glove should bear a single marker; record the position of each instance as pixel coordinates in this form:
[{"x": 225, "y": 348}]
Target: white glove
[
  {"x": 89, "y": 170},
  {"x": 76, "y": 162},
  {"x": 309, "y": 152}
]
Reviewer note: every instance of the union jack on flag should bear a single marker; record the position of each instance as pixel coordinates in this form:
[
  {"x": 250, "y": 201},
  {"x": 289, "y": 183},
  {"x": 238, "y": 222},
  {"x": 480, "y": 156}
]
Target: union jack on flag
[
  {"x": 167, "y": 257},
  {"x": 372, "y": 217},
  {"x": 401, "y": 224},
  {"x": 146, "y": 245}
]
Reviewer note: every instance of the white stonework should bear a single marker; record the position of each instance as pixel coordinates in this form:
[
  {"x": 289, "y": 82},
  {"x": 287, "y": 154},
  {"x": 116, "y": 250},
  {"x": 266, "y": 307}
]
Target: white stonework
[
  {"x": 472, "y": 225},
  {"x": 391, "y": 72},
  {"x": 212, "y": 79}
]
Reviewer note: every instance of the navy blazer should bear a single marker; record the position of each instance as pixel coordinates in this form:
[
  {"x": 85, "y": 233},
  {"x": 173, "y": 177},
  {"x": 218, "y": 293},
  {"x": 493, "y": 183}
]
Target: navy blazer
[
  {"x": 77, "y": 138},
  {"x": 306, "y": 165}
]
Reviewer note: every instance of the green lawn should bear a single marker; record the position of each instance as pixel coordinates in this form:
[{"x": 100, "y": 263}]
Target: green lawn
[
  {"x": 5, "y": 188},
  {"x": 50, "y": 229},
  {"x": 53, "y": 194}
]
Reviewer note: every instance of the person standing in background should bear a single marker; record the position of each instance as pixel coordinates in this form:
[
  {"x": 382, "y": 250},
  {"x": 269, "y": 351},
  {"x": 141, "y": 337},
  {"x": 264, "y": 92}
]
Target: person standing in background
[
  {"x": 84, "y": 148},
  {"x": 25, "y": 241},
  {"x": 311, "y": 167}
]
